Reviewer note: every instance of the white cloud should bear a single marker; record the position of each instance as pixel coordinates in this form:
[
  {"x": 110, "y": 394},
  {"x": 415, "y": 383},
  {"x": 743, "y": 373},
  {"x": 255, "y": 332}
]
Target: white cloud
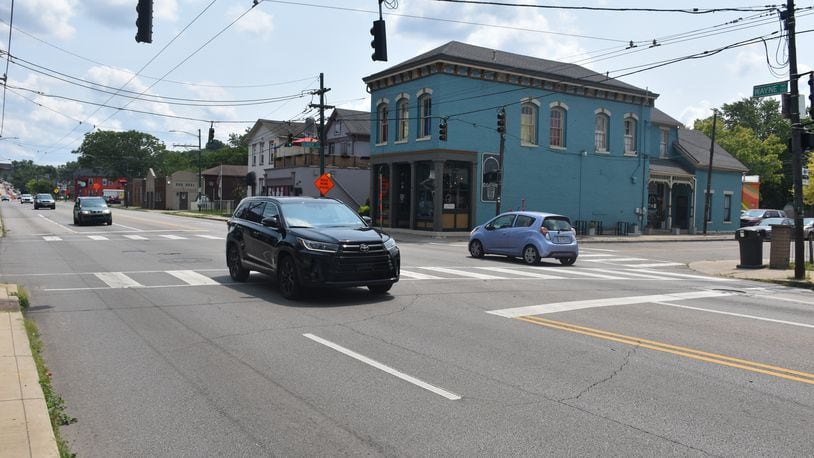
[
  {"x": 748, "y": 63},
  {"x": 257, "y": 23},
  {"x": 43, "y": 17}
]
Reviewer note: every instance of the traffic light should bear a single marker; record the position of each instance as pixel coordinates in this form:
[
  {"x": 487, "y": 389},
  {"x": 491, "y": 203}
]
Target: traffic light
[
  {"x": 144, "y": 21},
  {"x": 501, "y": 121},
  {"x": 211, "y": 134},
  {"x": 811, "y": 95},
  {"x": 290, "y": 140},
  {"x": 379, "y": 43},
  {"x": 443, "y": 127}
]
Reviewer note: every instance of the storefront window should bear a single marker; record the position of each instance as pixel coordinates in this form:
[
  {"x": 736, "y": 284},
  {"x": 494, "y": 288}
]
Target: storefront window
[
  {"x": 381, "y": 197},
  {"x": 425, "y": 191}
]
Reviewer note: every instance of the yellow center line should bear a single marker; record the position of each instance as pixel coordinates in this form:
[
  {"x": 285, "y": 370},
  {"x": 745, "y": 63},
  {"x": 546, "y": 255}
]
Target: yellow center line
[{"x": 723, "y": 360}]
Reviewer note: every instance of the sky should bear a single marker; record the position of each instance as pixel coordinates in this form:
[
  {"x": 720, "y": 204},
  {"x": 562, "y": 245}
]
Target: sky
[{"x": 75, "y": 66}]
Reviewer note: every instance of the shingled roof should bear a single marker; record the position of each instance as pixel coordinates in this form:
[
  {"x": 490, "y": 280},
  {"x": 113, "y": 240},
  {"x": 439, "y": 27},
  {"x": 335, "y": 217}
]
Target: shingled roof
[
  {"x": 694, "y": 145},
  {"x": 466, "y": 54},
  {"x": 357, "y": 122},
  {"x": 659, "y": 117}
]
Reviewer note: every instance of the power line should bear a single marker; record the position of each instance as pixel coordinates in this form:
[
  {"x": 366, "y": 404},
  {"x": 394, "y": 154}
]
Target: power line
[{"x": 599, "y": 8}]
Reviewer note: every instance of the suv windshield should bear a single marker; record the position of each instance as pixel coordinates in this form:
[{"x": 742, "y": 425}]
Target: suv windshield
[
  {"x": 319, "y": 213},
  {"x": 95, "y": 202}
]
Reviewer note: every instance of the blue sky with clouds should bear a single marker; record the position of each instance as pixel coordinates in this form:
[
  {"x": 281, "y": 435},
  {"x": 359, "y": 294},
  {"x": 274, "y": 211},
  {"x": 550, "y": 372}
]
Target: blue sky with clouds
[{"x": 76, "y": 66}]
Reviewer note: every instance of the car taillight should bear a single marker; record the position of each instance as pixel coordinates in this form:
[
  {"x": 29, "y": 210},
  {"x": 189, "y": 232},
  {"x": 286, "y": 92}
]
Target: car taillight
[{"x": 544, "y": 231}]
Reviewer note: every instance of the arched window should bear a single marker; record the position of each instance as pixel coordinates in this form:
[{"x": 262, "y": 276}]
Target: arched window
[
  {"x": 601, "y": 123},
  {"x": 630, "y": 135},
  {"x": 381, "y": 132},
  {"x": 557, "y": 127},
  {"x": 528, "y": 123},
  {"x": 402, "y": 120},
  {"x": 425, "y": 116}
]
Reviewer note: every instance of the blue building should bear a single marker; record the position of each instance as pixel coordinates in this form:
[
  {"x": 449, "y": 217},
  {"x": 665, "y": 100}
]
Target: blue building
[{"x": 576, "y": 142}]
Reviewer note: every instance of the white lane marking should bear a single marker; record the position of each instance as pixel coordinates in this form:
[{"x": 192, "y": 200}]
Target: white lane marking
[
  {"x": 98, "y": 237},
  {"x": 606, "y": 302},
  {"x": 192, "y": 278},
  {"x": 464, "y": 273},
  {"x": 117, "y": 280},
  {"x": 595, "y": 255},
  {"x": 578, "y": 272},
  {"x": 408, "y": 378},
  {"x": 614, "y": 259},
  {"x": 52, "y": 238},
  {"x": 591, "y": 250},
  {"x": 521, "y": 273},
  {"x": 629, "y": 273},
  {"x": 418, "y": 276},
  {"x": 129, "y": 227},
  {"x": 135, "y": 237},
  {"x": 676, "y": 274},
  {"x": 740, "y": 315},
  {"x": 58, "y": 224},
  {"x": 656, "y": 264},
  {"x": 173, "y": 237},
  {"x": 211, "y": 237}
]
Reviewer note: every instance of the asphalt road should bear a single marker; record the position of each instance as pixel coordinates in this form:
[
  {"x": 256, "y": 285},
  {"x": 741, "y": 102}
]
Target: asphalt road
[{"x": 628, "y": 352}]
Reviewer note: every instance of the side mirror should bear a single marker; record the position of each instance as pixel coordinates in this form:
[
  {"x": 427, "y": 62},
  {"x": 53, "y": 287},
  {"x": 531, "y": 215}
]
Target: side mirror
[
  {"x": 489, "y": 227},
  {"x": 272, "y": 221},
  {"x": 368, "y": 220}
]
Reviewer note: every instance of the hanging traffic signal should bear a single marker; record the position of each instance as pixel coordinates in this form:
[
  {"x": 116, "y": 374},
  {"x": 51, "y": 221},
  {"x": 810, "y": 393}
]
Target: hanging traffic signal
[
  {"x": 501, "y": 121},
  {"x": 443, "y": 130},
  {"x": 379, "y": 43},
  {"x": 290, "y": 140},
  {"x": 811, "y": 95},
  {"x": 211, "y": 134},
  {"x": 144, "y": 21}
]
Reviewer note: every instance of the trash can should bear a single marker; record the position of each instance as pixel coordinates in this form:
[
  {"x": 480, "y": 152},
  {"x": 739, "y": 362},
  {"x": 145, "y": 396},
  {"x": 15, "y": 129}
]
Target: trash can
[{"x": 751, "y": 249}]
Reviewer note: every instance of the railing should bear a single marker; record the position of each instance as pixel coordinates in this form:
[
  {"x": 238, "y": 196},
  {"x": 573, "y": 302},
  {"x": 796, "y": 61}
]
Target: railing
[{"x": 331, "y": 160}]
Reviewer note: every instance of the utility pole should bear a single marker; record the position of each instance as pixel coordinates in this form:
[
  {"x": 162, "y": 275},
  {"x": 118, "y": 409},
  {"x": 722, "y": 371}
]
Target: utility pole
[
  {"x": 796, "y": 130},
  {"x": 322, "y": 90},
  {"x": 708, "y": 198}
]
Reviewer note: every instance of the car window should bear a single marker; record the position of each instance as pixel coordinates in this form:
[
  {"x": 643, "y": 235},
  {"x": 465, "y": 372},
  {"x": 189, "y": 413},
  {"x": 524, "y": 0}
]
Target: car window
[
  {"x": 555, "y": 223},
  {"x": 524, "y": 221},
  {"x": 254, "y": 212},
  {"x": 503, "y": 221}
]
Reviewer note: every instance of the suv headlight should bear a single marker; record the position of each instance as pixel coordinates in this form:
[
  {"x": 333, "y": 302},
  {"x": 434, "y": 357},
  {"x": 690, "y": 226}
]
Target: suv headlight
[
  {"x": 390, "y": 243},
  {"x": 318, "y": 246}
]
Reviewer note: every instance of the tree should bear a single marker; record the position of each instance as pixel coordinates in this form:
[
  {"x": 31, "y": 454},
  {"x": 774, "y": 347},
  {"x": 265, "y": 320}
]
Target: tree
[
  {"x": 121, "y": 154},
  {"x": 808, "y": 191}
]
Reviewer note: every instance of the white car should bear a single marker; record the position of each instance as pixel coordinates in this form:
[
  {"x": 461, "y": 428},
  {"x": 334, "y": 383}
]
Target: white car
[{"x": 26, "y": 199}]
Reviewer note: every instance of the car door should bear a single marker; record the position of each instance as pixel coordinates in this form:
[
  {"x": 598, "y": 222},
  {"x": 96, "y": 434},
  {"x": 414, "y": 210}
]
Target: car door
[
  {"x": 252, "y": 232},
  {"x": 268, "y": 237},
  {"x": 517, "y": 236},
  {"x": 496, "y": 232}
]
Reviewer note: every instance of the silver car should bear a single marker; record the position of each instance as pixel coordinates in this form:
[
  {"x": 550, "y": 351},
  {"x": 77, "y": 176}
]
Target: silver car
[{"x": 44, "y": 200}]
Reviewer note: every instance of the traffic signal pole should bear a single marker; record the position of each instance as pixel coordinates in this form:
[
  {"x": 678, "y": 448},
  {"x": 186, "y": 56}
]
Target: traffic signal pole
[{"x": 796, "y": 131}]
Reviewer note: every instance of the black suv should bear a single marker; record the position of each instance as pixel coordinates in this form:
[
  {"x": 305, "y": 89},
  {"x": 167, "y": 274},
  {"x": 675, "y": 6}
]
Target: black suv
[{"x": 307, "y": 242}]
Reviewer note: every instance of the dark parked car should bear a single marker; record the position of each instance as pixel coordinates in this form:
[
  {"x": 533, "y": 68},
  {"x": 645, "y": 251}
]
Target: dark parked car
[
  {"x": 91, "y": 210},
  {"x": 44, "y": 200},
  {"x": 525, "y": 234},
  {"x": 306, "y": 242},
  {"x": 754, "y": 217}
]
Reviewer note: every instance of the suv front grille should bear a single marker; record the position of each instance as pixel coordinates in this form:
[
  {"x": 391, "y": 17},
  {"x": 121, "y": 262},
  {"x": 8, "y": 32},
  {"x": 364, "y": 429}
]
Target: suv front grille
[{"x": 363, "y": 261}]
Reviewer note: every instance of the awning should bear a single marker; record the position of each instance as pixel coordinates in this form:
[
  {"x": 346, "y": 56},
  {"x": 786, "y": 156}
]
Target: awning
[{"x": 300, "y": 141}]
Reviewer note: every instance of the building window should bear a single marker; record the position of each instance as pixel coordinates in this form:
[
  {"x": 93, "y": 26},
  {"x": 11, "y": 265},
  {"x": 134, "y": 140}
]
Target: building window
[
  {"x": 425, "y": 116},
  {"x": 402, "y": 120},
  {"x": 262, "y": 153},
  {"x": 381, "y": 132},
  {"x": 528, "y": 123},
  {"x": 663, "y": 140},
  {"x": 601, "y": 123},
  {"x": 630, "y": 135},
  {"x": 727, "y": 208},
  {"x": 557, "y": 127},
  {"x": 254, "y": 153}
]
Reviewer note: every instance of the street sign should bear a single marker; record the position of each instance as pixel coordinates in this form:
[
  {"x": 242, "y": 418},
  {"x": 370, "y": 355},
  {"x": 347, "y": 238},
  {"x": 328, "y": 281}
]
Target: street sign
[
  {"x": 324, "y": 184},
  {"x": 765, "y": 90},
  {"x": 310, "y": 144}
]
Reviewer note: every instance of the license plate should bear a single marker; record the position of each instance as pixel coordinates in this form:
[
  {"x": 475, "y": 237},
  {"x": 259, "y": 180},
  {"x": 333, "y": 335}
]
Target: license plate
[{"x": 561, "y": 239}]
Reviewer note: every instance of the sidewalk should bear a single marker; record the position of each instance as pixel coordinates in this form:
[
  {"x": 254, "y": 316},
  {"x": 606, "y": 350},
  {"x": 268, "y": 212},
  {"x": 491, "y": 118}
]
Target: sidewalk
[{"x": 25, "y": 427}]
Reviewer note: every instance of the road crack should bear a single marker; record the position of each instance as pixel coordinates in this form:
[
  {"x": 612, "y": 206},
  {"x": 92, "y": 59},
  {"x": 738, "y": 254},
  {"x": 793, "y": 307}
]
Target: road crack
[{"x": 606, "y": 379}]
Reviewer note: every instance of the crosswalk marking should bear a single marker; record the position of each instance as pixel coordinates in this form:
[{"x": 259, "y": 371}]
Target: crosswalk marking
[
  {"x": 117, "y": 280},
  {"x": 98, "y": 237},
  {"x": 680, "y": 275},
  {"x": 656, "y": 264},
  {"x": 629, "y": 273},
  {"x": 583, "y": 272},
  {"x": 52, "y": 238},
  {"x": 135, "y": 237},
  {"x": 418, "y": 276},
  {"x": 210, "y": 237},
  {"x": 464, "y": 273},
  {"x": 173, "y": 237},
  {"x": 522, "y": 273},
  {"x": 595, "y": 255},
  {"x": 613, "y": 259},
  {"x": 192, "y": 278}
]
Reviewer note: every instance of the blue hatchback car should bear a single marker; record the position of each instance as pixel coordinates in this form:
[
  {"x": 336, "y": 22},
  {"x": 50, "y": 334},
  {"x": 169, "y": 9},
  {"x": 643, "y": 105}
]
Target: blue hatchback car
[{"x": 528, "y": 235}]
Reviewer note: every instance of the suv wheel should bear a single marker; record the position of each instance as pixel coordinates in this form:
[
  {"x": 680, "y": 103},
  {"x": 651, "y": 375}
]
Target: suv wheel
[
  {"x": 235, "y": 265},
  {"x": 530, "y": 255},
  {"x": 380, "y": 289},
  {"x": 287, "y": 279}
]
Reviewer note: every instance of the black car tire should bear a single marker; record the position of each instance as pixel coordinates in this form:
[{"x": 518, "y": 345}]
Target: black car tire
[
  {"x": 530, "y": 255},
  {"x": 81, "y": 223},
  {"x": 568, "y": 261},
  {"x": 476, "y": 249},
  {"x": 379, "y": 289},
  {"x": 235, "y": 264},
  {"x": 287, "y": 279},
  {"x": 75, "y": 221}
]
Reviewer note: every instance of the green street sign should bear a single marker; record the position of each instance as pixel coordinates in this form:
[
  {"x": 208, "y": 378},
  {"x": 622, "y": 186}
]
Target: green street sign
[
  {"x": 310, "y": 144},
  {"x": 765, "y": 90}
]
